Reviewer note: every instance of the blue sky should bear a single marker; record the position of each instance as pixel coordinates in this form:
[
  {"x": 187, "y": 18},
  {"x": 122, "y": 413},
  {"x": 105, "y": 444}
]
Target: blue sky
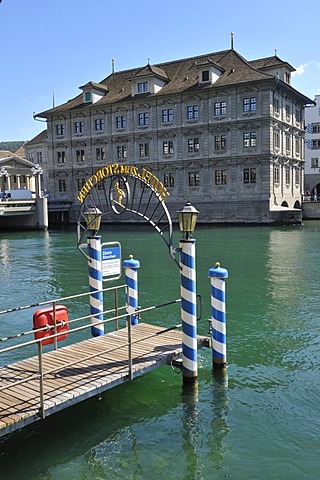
[{"x": 59, "y": 45}]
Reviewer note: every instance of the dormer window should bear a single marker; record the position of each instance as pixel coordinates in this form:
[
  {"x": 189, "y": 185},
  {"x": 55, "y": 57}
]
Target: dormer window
[
  {"x": 93, "y": 92},
  {"x": 205, "y": 76},
  {"x": 143, "y": 87},
  {"x": 209, "y": 72},
  {"x": 149, "y": 79}
]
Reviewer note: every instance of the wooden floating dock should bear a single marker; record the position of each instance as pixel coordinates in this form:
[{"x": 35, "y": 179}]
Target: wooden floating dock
[{"x": 76, "y": 372}]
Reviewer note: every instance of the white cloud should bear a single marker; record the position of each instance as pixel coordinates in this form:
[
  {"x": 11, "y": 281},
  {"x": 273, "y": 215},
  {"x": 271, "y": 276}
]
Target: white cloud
[{"x": 301, "y": 68}]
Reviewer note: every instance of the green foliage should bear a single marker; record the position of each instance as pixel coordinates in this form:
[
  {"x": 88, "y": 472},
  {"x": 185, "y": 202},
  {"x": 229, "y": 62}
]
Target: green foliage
[{"x": 11, "y": 146}]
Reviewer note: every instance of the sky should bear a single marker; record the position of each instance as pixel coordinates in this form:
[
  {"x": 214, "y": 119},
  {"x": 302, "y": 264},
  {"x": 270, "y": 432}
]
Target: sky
[{"x": 49, "y": 48}]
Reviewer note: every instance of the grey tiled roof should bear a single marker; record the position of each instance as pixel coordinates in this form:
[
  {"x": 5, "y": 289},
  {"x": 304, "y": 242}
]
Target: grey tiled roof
[
  {"x": 270, "y": 62},
  {"x": 182, "y": 77},
  {"x": 37, "y": 139}
]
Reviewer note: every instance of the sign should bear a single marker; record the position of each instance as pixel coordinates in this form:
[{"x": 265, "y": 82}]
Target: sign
[
  {"x": 111, "y": 261},
  {"x": 117, "y": 170}
]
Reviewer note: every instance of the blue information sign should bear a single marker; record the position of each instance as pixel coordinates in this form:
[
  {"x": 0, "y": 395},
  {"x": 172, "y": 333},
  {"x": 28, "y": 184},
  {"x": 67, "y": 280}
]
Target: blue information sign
[{"x": 111, "y": 260}]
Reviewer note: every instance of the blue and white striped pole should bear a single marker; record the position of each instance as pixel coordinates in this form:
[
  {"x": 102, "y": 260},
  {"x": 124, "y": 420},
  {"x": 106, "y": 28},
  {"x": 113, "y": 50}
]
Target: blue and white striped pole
[
  {"x": 188, "y": 311},
  {"x": 218, "y": 316},
  {"x": 95, "y": 283},
  {"x": 131, "y": 273}
]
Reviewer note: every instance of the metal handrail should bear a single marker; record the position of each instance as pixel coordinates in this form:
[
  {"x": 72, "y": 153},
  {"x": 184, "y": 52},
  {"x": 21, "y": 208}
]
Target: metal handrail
[{"x": 41, "y": 374}]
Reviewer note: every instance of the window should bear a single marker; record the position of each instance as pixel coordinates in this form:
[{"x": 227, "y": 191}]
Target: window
[
  {"x": 205, "y": 76},
  {"x": 192, "y": 112},
  {"x": 81, "y": 156},
  {"x": 143, "y": 87},
  {"x": 100, "y": 154},
  {"x": 276, "y": 105},
  {"x": 167, "y": 147},
  {"x": 249, "y": 175},
  {"x": 60, "y": 129},
  {"x": 143, "y": 118},
  {"x": 80, "y": 182},
  {"x": 316, "y": 128},
  {"x": 297, "y": 141},
  {"x": 167, "y": 115},
  {"x": 314, "y": 162},
  {"x": 220, "y": 142},
  {"x": 276, "y": 175},
  {"x": 276, "y": 139},
  {"x": 78, "y": 127},
  {"x": 193, "y": 145},
  {"x": 298, "y": 115},
  {"x": 297, "y": 176},
  {"x": 287, "y": 176},
  {"x": 39, "y": 157},
  {"x": 288, "y": 111},
  {"x": 121, "y": 122},
  {"x": 194, "y": 179},
  {"x": 62, "y": 185},
  {"x": 249, "y": 139},
  {"x": 99, "y": 124},
  {"x": 61, "y": 156},
  {"x": 220, "y": 177},
  {"x": 87, "y": 96},
  {"x": 288, "y": 143},
  {"x": 144, "y": 149},
  {"x": 220, "y": 108},
  {"x": 249, "y": 104},
  {"x": 168, "y": 180},
  {"x": 122, "y": 151},
  {"x": 315, "y": 144}
]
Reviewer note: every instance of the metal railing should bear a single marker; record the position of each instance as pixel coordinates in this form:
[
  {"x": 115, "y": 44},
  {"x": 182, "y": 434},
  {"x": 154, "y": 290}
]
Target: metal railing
[{"x": 116, "y": 318}]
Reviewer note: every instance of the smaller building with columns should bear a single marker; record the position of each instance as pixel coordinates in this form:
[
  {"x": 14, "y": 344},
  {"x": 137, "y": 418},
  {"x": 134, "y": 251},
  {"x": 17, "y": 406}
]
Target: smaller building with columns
[{"x": 16, "y": 172}]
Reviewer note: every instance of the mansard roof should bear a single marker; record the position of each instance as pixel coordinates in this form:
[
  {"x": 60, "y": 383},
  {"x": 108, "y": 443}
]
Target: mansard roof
[{"x": 182, "y": 76}]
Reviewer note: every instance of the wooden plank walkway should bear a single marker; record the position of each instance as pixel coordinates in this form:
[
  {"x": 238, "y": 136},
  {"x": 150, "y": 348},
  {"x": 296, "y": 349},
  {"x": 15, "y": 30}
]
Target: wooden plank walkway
[{"x": 80, "y": 371}]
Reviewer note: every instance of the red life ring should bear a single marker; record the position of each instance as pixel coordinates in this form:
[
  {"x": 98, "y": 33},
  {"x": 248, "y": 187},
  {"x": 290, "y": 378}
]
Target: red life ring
[{"x": 44, "y": 317}]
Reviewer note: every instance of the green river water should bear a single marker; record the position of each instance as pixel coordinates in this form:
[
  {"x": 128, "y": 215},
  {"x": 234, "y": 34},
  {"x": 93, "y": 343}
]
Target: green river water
[{"x": 259, "y": 421}]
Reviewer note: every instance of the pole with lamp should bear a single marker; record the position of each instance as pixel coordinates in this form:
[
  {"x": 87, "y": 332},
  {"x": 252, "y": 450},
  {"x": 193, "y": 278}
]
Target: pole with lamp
[
  {"x": 3, "y": 174},
  {"x": 93, "y": 218},
  {"x": 37, "y": 171},
  {"x": 187, "y": 218}
]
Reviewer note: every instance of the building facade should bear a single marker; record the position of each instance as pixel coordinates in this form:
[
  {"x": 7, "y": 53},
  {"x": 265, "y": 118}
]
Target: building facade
[
  {"x": 222, "y": 132},
  {"x": 312, "y": 151}
]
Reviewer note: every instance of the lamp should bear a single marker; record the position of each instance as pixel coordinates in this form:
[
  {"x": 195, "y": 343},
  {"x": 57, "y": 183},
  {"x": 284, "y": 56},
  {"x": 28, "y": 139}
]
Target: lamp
[
  {"x": 4, "y": 174},
  {"x": 93, "y": 218},
  {"x": 187, "y": 218}
]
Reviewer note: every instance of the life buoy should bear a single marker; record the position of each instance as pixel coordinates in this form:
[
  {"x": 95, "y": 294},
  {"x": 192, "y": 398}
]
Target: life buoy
[{"x": 44, "y": 318}]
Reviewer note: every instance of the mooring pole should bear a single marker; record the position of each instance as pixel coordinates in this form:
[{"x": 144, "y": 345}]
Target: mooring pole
[
  {"x": 218, "y": 316},
  {"x": 131, "y": 273},
  {"x": 95, "y": 283},
  {"x": 188, "y": 311}
]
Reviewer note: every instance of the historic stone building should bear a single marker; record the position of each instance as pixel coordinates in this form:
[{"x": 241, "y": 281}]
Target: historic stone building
[{"x": 218, "y": 130}]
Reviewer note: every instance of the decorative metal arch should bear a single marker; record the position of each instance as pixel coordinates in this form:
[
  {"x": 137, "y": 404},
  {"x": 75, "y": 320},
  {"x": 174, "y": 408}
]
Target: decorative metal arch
[{"x": 141, "y": 194}]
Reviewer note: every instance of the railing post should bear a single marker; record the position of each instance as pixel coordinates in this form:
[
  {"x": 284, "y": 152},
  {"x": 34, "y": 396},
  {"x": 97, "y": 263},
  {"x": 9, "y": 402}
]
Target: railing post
[
  {"x": 188, "y": 311},
  {"x": 116, "y": 307},
  {"x": 218, "y": 316},
  {"x": 95, "y": 282},
  {"x": 41, "y": 381},
  {"x": 131, "y": 272},
  {"x": 55, "y": 340},
  {"x": 130, "y": 348}
]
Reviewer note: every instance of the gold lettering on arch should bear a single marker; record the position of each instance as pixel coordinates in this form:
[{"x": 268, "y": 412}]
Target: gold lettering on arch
[{"x": 133, "y": 171}]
